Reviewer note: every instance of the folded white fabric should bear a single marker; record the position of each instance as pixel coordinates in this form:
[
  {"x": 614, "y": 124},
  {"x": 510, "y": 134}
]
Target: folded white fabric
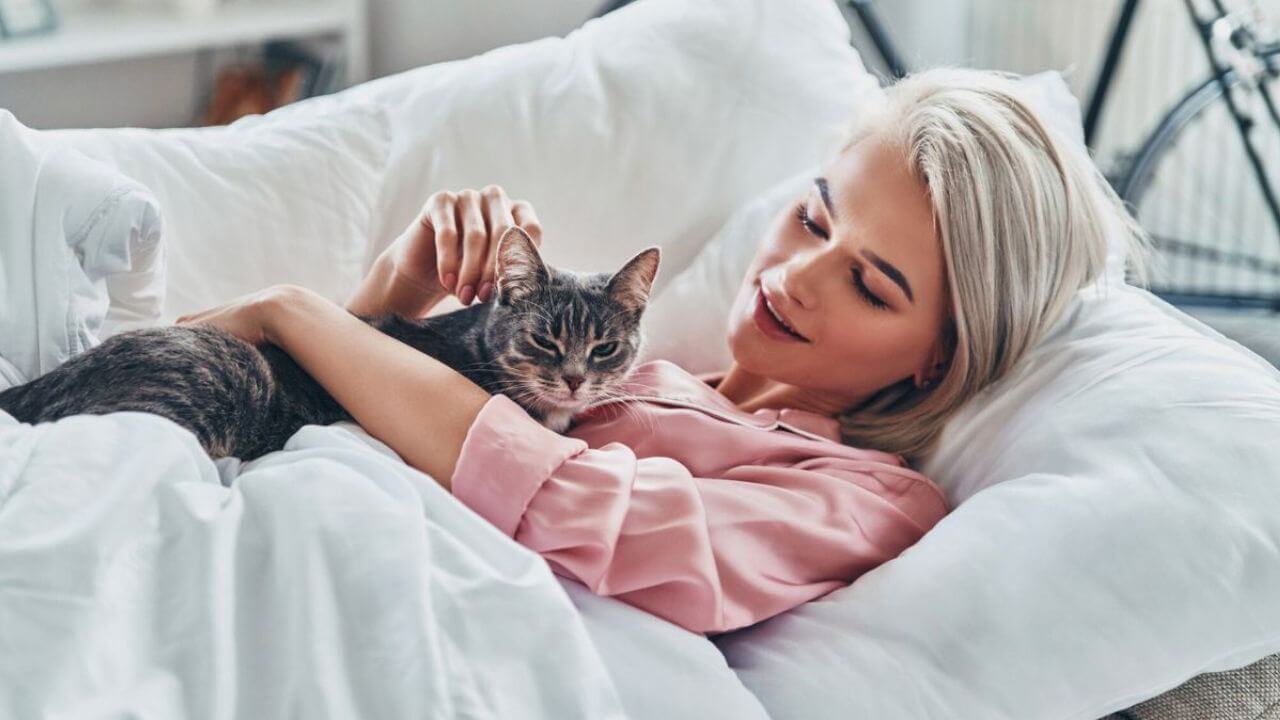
[
  {"x": 133, "y": 584},
  {"x": 80, "y": 253}
]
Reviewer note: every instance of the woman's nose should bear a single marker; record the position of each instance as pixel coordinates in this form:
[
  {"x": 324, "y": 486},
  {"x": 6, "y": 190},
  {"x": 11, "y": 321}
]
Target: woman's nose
[{"x": 799, "y": 282}]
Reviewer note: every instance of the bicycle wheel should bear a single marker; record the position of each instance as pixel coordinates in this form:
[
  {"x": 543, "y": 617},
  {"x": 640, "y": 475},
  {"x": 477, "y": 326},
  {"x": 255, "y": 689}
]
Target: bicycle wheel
[{"x": 1192, "y": 187}]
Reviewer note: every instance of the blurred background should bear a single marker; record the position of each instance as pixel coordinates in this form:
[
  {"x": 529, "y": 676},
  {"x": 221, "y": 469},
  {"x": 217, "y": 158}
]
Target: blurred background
[
  {"x": 156, "y": 63},
  {"x": 1188, "y": 133}
]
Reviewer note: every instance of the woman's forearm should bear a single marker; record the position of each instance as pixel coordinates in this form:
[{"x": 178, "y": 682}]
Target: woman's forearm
[
  {"x": 417, "y": 405},
  {"x": 384, "y": 291}
]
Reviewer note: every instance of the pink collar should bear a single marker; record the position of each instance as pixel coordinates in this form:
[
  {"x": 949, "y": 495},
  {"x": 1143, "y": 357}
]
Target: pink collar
[{"x": 666, "y": 383}]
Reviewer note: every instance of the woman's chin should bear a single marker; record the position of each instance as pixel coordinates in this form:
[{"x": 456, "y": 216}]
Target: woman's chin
[{"x": 747, "y": 350}]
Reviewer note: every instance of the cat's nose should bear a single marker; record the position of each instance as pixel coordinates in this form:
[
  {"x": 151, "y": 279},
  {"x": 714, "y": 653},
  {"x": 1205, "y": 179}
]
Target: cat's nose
[{"x": 573, "y": 381}]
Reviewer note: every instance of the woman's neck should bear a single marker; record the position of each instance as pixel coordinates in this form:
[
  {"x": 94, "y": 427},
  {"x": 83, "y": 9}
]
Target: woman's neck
[{"x": 751, "y": 392}]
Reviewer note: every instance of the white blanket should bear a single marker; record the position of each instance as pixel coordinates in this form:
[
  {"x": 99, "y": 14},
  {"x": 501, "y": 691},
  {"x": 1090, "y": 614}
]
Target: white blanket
[{"x": 330, "y": 580}]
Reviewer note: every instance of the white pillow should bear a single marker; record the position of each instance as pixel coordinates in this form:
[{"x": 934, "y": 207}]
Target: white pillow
[
  {"x": 258, "y": 202},
  {"x": 80, "y": 252},
  {"x": 647, "y": 126},
  {"x": 687, "y": 321},
  {"x": 1116, "y": 531}
]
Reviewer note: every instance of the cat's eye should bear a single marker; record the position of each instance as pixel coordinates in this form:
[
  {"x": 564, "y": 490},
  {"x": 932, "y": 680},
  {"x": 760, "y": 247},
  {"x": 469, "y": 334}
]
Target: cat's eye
[
  {"x": 604, "y": 350},
  {"x": 545, "y": 343}
]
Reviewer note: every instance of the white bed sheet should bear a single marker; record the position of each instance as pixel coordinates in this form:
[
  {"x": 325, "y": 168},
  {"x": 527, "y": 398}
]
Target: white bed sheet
[{"x": 659, "y": 669}]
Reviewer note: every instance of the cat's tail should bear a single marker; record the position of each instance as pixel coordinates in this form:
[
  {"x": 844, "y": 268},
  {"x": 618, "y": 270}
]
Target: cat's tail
[{"x": 15, "y": 400}]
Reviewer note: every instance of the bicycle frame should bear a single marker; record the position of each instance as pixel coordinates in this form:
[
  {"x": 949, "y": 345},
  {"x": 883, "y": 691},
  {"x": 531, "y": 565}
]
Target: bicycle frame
[
  {"x": 865, "y": 10},
  {"x": 1243, "y": 123},
  {"x": 1204, "y": 31},
  {"x": 1102, "y": 85}
]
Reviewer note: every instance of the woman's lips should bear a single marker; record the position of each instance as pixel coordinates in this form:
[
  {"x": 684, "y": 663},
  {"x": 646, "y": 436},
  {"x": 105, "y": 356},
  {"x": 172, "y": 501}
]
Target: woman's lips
[{"x": 769, "y": 324}]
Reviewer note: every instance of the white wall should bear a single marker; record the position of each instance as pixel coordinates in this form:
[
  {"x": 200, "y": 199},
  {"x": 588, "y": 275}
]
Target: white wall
[
  {"x": 409, "y": 33},
  {"x": 166, "y": 91}
]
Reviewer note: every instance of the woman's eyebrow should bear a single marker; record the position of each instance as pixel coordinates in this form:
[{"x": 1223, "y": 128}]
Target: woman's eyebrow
[
  {"x": 893, "y": 273},
  {"x": 826, "y": 195}
]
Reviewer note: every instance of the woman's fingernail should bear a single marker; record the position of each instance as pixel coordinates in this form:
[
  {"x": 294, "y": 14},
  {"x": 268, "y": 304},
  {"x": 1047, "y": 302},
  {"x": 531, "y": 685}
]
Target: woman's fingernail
[
  {"x": 486, "y": 292},
  {"x": 467, "y": 294},
  {"x": 450, "y": 280}
]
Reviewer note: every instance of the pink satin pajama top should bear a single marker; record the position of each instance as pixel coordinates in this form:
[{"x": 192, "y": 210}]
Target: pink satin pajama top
[{"x": 684, "y": 505}]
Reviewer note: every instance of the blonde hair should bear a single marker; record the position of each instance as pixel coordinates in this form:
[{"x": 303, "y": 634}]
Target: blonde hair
[{"x": 1024, "y": 218}]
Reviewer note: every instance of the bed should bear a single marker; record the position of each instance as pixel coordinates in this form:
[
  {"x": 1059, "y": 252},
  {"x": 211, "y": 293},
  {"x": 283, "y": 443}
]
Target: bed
[{"x": 330, "y": 580}]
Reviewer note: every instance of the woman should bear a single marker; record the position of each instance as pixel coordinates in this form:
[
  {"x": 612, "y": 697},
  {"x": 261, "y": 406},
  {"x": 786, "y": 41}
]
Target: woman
[{"x": 938, "y": 245}]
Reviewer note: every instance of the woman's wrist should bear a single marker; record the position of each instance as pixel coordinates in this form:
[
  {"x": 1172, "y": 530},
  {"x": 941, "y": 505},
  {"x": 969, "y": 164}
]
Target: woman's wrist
[
  {"x": 387, "y": 290},
  {"x": 277, "y": 304},
  {"x": 408, "y": 294}
]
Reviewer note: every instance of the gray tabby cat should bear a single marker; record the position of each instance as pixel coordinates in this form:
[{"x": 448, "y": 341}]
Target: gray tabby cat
[{"x": 551, "y": 340}]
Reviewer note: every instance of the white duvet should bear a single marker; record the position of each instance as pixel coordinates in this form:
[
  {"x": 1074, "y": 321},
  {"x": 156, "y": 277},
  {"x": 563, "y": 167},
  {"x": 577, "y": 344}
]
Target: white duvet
[{"x": 329, "y": 580}]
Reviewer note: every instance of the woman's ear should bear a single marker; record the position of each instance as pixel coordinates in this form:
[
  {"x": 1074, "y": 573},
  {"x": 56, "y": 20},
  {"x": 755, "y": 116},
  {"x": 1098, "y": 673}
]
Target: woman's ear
[{"x": 936, "y": 365}]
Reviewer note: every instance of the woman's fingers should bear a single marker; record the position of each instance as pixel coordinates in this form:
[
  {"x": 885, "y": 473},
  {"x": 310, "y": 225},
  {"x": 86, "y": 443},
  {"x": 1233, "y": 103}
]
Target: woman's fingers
[
  {"x": 524, "y": 216},
  {"x": 195, "y": 318},
  {"x": 475, "y": 241},
  {"x": 440, "y": 214},
  {"x": 497, "y": 215},
  {"x": 467, "y": 226}
]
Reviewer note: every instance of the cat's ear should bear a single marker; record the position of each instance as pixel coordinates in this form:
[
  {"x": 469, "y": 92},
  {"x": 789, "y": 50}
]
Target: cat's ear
[
  {"x": 630, "y": 286},
  {"x": 520, "y": 269}
]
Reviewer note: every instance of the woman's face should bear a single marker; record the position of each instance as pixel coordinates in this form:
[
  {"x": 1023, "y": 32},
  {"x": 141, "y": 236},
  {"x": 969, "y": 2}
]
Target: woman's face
[{"x": 855, "y": 269}]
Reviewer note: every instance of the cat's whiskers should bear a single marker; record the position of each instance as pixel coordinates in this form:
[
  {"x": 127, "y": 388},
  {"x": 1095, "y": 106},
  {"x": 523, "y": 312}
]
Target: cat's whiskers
[{"x": 625, "y": 404}]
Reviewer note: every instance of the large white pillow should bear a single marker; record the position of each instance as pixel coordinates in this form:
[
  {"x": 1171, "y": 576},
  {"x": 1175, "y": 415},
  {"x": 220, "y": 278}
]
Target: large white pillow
[
  {"x": 1116, "y": 531},
  {"x": 644, "y": 127},
  {"x": 262, "y": 201},
  {"x": 80, "y": 253},
  {"x": 647, "y": 126}
]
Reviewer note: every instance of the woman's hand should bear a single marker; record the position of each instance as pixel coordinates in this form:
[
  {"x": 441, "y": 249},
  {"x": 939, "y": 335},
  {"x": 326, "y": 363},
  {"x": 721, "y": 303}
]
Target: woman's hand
[
  {"x": 248, "y": 317},
  {"x": 414, "y": 403},
  {"x": 451, "y": 246}
]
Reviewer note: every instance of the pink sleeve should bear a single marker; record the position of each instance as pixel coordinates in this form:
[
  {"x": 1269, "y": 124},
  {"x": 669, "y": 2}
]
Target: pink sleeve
[{"x": 709, "y": 554}]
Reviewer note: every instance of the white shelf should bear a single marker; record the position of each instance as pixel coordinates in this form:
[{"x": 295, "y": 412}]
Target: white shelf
[{"x": 85, "y": 37}]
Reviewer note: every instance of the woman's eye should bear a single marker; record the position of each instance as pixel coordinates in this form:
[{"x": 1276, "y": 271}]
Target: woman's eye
[
  {"x": 802, "y": 215},
  {"x": 866, "y": 293},
  {"x": 604, "y": 350},
  {"x": 546, "y": 344}
]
